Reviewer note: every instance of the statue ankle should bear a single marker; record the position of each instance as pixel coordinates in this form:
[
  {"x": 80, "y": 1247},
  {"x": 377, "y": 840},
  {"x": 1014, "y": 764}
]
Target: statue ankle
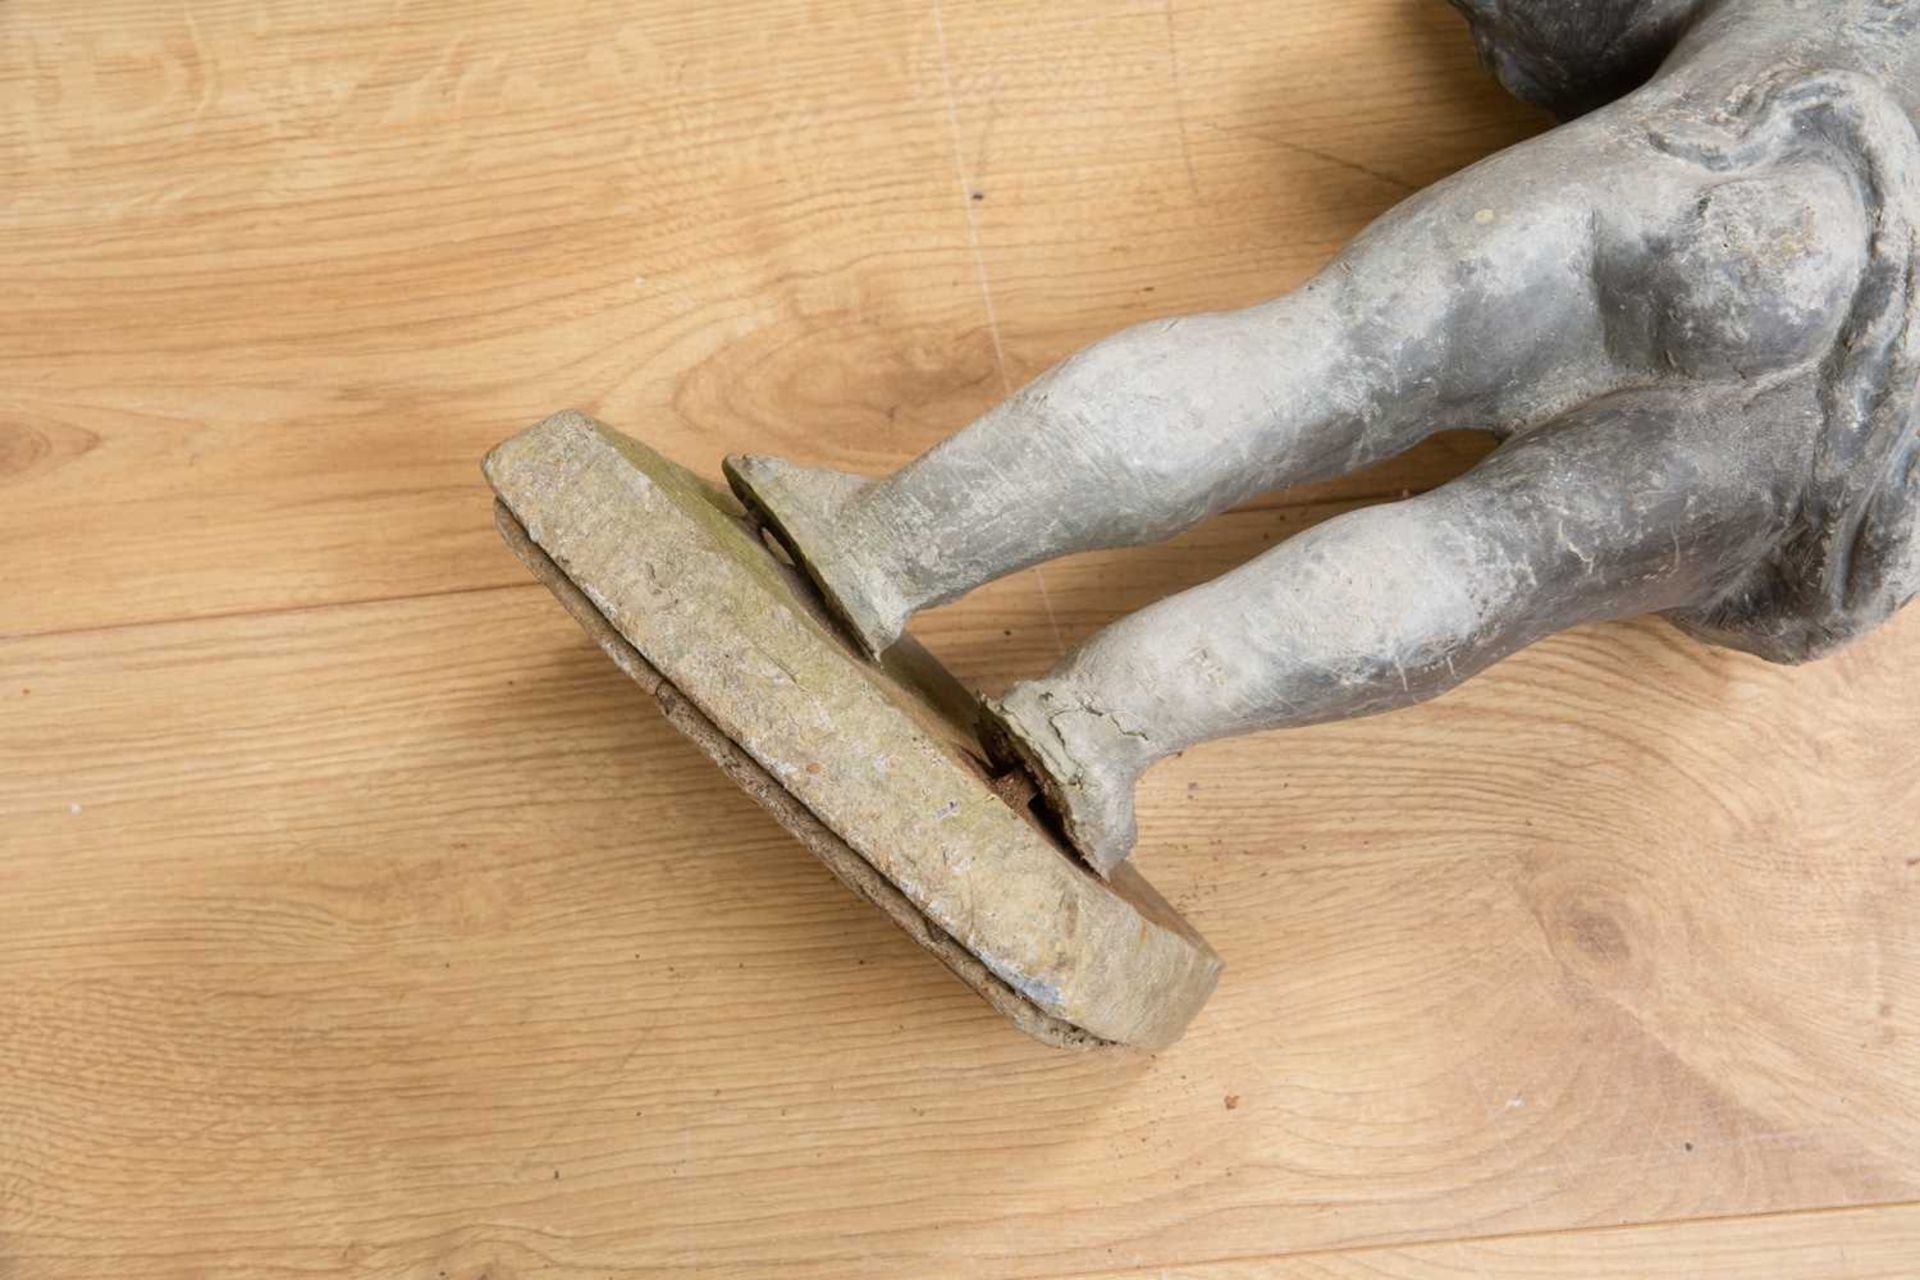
[{"x": 1083, "y": 760}]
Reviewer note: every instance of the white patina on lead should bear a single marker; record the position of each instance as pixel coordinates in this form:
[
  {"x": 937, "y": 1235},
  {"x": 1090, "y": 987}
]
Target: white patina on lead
[{"x": 1689, "y": 313}]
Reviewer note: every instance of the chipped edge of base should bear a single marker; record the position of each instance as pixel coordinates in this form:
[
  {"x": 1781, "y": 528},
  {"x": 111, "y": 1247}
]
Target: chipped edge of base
[{"x": 840, "y": 858}]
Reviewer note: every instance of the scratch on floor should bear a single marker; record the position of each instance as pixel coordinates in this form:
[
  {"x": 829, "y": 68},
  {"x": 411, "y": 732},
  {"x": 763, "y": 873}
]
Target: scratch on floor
[
  {"x": 965, "y": 186},
  {"x": 1317, "y": 153},
  {"x": 1046, "y": 602},
  {"x": 1179, "y": 99},
  {"x": 966, "y": 202}
]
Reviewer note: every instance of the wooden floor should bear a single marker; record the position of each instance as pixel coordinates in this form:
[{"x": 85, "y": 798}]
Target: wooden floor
[{"x": 358, "y": 917}]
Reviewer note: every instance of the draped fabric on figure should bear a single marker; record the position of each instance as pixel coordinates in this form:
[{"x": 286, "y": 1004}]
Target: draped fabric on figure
[{"x": 1852, "y": 555}]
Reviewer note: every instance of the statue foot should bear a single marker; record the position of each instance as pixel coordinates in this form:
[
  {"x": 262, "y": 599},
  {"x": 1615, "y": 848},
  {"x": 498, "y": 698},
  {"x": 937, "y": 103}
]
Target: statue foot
[
  {"x": 1085, "y": 763},
  {"x": 804, "y": 507}
]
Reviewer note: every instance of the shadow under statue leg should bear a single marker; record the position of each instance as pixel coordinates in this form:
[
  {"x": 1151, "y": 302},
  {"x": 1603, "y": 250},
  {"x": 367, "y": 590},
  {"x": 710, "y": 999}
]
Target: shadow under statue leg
[{"x": 1616, "y": 510}]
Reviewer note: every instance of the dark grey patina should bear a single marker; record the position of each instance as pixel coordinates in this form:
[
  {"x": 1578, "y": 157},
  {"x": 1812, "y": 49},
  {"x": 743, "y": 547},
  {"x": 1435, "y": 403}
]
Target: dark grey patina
[{"x": 1689, "y": 313}]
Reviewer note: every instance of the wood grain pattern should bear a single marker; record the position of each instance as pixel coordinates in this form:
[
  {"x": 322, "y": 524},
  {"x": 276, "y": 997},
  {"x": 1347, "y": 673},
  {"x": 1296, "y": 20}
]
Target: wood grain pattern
[
  {"x": 292, "y": 274},
  {"x": 1871, "y": 1245},
  {"x": 354, "y": 926},
  {"x": 357, "y": 917}
]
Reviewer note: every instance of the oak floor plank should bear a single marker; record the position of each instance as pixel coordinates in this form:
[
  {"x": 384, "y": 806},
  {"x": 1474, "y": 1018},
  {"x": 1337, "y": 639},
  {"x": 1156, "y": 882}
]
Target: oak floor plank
[
  {"x": 1880, "y": 1243},
  {"x": 356, "y": 917},
  {"x": 404, "y": 937},
  {"x": 277, "y": 276}
]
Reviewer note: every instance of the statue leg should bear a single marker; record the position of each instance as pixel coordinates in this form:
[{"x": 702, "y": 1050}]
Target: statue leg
[
  {"x": 1411, "y": 330},
  {"x": 1631, "y": 505}
]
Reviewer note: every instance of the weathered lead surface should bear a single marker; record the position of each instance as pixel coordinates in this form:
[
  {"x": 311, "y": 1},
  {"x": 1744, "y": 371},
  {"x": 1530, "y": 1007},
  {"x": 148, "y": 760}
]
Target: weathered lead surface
[
  {"x": 870, "y": 766},
  {"x": 1692, "y": 314}
]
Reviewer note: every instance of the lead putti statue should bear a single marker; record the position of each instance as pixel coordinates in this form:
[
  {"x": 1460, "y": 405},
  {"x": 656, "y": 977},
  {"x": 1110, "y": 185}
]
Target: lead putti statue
[{"x": 1690, "y": 314}]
